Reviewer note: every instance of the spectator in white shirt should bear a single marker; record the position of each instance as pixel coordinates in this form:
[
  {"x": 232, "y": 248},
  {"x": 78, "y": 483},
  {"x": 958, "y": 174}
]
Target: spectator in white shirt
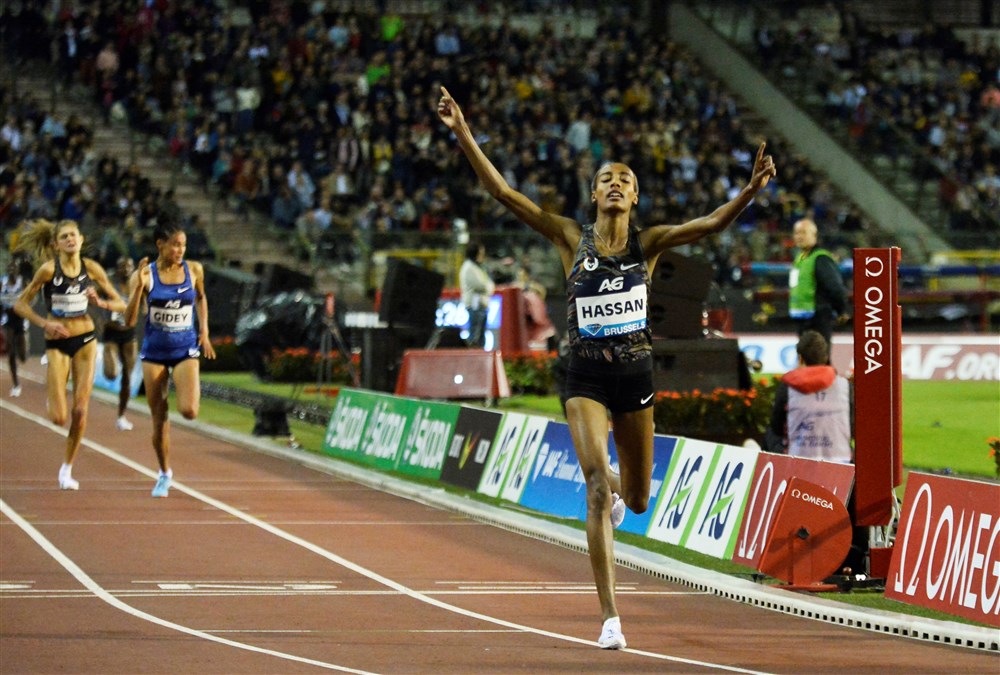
[{"x": 477, "y": 289}]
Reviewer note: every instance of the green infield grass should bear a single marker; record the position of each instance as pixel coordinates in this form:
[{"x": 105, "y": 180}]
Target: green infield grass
[{"x": 946, "y": 425}]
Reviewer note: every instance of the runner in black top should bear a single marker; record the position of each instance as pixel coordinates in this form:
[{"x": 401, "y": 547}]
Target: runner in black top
[
  {"x": 120, "y": 345},
  {"x": 15, "y": 328},
  {"x": 607, "y": 266},
  {"x": 69, "y": 284}
]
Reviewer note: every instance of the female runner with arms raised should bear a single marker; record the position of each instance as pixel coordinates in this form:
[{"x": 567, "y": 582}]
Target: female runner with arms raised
[{"x": 608, "y": 265}]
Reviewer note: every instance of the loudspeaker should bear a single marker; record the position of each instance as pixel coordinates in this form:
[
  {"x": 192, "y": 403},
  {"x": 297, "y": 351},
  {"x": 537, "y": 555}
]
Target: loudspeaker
[
  {"x": 682, "y": 276},
  {"x": 410, "y": 295},
  {"x": 378, "y": 359},
  {"x": 277, "y": 278},
  {"x": 686, "y": 365},
  {"x": 230, "y": 293},
  {"x": 382, "y": 353},
  {"x": 446, "y": 337},
  {"x": 678, "y": 289},
  {"x": 674, "y": 317}
]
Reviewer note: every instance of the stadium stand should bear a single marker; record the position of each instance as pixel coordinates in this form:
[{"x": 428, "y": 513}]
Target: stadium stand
[
  {"x": 305, "y": 133},
  {"x": 52, "y": 169},
  {"x": 243, "y": 97},
  {"x": 919, "y": 104}
]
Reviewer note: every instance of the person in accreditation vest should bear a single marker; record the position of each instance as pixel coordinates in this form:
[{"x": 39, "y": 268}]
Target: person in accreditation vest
[
  {"x": 813, "y": 407},
  {"x": 816, "y": 295}
]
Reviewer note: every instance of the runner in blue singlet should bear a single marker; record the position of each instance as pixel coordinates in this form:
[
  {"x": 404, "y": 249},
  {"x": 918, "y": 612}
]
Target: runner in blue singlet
[
  {"x": 607, "y": 267},
  {"x": 172, "y": 291}
]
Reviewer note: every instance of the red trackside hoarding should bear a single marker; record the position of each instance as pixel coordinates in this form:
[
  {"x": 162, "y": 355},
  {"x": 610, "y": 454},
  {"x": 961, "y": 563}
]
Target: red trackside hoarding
[{"x": 947, "y": 550}]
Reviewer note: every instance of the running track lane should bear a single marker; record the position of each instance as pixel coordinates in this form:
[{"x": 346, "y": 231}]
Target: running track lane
[{"x": 258, "y": 565}]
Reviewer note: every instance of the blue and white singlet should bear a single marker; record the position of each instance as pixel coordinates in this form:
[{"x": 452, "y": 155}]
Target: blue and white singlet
[{"x": 170, "y": 329}]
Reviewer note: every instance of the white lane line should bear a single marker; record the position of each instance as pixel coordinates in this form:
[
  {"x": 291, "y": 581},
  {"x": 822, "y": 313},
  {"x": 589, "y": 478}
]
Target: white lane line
[
  {"x": 99, "y": 591},
  {"x": 25, "y": 592},
  {"x": 354, "y": 567},
  {"x": 142, "y": 523},
  {"x": 281, "y": 583},
  {"x": 366, "y": 630}
]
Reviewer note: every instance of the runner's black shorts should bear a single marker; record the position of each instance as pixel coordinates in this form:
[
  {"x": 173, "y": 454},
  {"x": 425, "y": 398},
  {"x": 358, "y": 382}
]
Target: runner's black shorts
[
  {"x": 118, "y": 336},
  {"x": 619, "y": 387}
]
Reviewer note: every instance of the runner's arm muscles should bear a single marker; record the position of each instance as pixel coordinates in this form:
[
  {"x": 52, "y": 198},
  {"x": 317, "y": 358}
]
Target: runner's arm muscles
[{"x": 23, "y": 306}]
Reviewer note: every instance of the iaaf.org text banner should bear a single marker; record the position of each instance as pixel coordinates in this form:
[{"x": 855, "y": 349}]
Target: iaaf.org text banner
[
  {"x": 947, "y": 550},
  {"x": 924, "y": 357}
]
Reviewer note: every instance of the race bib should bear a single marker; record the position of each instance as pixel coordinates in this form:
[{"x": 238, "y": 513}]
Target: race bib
[
  {"x": 617, "y": 308},
  {"x": 69, "y": 305},
  {"x": 172, "y": 319}
]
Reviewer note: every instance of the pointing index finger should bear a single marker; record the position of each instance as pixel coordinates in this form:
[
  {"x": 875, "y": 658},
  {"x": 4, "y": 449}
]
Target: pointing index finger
[{"x": 445, "y": 93}]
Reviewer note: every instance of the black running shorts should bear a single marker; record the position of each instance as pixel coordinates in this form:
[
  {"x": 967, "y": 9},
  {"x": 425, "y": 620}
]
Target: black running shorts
[{"x": 621, "y": 387}]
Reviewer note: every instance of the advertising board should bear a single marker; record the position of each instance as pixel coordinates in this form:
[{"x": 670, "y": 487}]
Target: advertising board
[{"x": 946, "y": 555}]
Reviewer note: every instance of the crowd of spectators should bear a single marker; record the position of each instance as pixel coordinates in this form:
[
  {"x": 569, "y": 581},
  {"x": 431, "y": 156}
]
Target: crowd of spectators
[
  {"x": 892, "y": 87},
  {"x": 324, "y": 118},
  {"x": 50, "y": 169}
]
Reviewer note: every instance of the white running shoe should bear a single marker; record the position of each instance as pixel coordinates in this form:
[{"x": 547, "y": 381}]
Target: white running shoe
[
  {"x": 617, "y": 510},
  {"x": 66, "y": 481},
  {"x": 162, "y": 487},
  {"x": 15, "y": 391},
  {"x": 611, "y": 635},
  {"x": 123, "y": 424}
]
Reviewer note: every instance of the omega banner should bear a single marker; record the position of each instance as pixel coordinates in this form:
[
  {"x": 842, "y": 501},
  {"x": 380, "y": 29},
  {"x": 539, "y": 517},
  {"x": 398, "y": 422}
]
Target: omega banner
[
  {"x": 877, "y": 384},
  {"x": 947, "y": 550}
]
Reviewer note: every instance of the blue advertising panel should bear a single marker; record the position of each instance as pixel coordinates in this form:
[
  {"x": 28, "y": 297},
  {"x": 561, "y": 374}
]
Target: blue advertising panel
[
  {"x": 555, "y": 484},
  {"x": 663, "y": 452}
]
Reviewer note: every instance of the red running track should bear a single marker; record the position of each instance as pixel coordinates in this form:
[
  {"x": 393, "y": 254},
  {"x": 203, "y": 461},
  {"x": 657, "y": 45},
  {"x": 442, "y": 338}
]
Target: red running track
[{"x": 255, "y": 564}]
